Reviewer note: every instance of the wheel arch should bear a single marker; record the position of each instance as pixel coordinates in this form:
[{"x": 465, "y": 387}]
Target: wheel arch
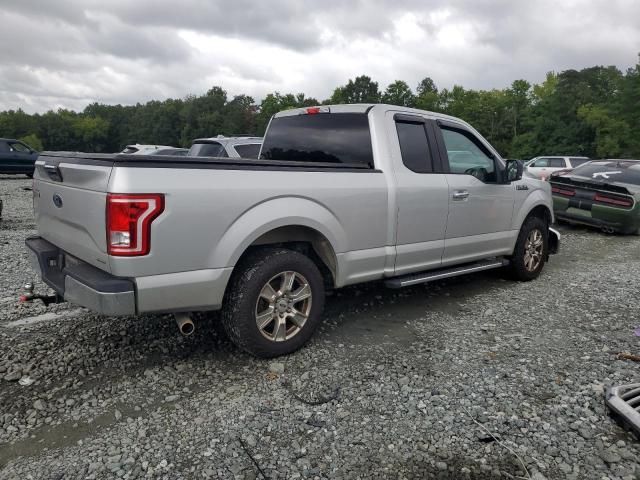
[{"x": 308, "y": 227}]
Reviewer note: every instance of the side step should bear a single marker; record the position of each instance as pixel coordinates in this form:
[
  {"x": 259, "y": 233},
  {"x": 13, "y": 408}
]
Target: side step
[{"x": 425, "y": 277}]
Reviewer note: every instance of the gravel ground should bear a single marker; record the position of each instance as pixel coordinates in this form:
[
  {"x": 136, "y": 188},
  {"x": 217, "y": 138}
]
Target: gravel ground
[{"x": 475, "y": 377}]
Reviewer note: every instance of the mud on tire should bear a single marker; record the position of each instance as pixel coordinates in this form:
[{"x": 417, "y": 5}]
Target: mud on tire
[
  {"x": 522, "y": 268},
  {"x": 264, "y": 270}
]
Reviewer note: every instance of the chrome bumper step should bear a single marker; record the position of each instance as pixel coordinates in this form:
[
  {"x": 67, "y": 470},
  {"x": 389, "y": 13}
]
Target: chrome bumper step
[{"x": 425, "y": 277}]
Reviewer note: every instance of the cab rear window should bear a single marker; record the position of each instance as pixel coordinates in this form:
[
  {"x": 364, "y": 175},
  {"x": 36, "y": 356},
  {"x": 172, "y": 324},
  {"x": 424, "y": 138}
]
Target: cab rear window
[{"x": 325, "y": 137}]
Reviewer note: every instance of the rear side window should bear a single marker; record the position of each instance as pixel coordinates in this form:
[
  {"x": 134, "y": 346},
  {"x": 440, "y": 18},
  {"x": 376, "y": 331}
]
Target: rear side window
[
  {"x": 576, "y": 162},
  {"x": 130, "y": 150},
  {"x": 324, "y": 137},
  {"x": 250, "y": 150},
  {"x": 176, "y": 152},
  {"x": 208, "y": 149},
  {"x": 4, "y": 147},
  {"x": 414, "y": 147},
  {"x": 557, "y": 163}
]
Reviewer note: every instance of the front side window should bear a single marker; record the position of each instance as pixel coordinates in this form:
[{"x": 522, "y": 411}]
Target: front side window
[
  {"x": 541, "y": 162},
  {"x": 468, "y": 156},
  {"x": 323, "y": 138},
  {"x": 414, "y": 147},
  {"x": 19, "y": 147},
  {"x": 250, "y": 150},
  {"x": 207, "y": 149}
]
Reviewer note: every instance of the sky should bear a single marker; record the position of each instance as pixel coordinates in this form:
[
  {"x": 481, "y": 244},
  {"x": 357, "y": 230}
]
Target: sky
[{"x": 69, "y": 53}]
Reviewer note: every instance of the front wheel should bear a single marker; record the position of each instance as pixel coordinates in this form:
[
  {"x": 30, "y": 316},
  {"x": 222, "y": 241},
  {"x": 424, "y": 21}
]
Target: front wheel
[
  {"x": 531, "y": 251},
  {"x": 274, "y": 302}
]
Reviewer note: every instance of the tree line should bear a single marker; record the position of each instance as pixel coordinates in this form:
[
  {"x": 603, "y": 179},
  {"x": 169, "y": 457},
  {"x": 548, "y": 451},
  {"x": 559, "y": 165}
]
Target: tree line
[{"x": 594, "y": 112}]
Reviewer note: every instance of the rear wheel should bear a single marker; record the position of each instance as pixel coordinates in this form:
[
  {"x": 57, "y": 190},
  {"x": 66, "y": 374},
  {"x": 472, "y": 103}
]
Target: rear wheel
[
  {"x": 274, "y": 302},
  {"x": 30, "y": 175},
  {"x": 531, "y": 251}
]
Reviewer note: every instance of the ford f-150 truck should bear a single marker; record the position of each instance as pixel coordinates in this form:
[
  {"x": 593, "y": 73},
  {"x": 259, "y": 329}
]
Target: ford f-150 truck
[{"x": 340, "y": 195}]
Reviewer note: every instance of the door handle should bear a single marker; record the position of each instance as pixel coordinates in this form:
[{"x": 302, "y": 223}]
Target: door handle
[{"x": 460, "y": 195}]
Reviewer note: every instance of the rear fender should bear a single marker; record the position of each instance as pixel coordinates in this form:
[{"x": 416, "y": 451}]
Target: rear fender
[{"x": 275, "y": 213}]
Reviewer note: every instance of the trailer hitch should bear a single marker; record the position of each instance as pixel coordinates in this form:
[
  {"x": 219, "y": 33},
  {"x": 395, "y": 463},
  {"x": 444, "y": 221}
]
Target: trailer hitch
[{"x": 30, "y": 296}]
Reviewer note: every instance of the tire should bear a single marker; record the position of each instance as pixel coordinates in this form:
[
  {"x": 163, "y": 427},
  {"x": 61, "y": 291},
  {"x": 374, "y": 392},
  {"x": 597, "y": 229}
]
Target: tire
[
  {"x": 522, "y": 267},
  {"x": 29, "y": 175},
  {"x": 262, "y": 275}
]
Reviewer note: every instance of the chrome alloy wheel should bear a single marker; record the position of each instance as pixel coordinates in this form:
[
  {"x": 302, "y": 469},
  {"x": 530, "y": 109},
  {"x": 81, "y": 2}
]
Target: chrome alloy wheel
[
  {"x": 533, "y": 250},
  {"x": 283, "y": 306}
]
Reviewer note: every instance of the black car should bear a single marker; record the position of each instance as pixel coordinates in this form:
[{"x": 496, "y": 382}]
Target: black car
[{"x": 17, "y": 157}]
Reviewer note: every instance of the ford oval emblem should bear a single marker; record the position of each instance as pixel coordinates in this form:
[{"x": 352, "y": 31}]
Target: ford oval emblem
[{"x": 57, "y": 200}]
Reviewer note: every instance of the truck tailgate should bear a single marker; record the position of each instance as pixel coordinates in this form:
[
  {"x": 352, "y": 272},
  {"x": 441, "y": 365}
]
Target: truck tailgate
[{"x": 69, "y": 198}]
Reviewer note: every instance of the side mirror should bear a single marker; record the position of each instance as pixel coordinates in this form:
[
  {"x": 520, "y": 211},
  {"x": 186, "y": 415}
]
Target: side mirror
[{"x": 514, "y": 170}]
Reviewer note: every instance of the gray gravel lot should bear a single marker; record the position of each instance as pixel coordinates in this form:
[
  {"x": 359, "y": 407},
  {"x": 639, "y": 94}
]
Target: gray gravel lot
[{"x": 417, "y": 383}]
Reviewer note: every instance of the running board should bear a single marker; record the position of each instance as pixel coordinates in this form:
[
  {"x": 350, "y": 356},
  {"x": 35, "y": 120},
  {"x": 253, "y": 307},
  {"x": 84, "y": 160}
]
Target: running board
[{"x": 425, "y": 277}]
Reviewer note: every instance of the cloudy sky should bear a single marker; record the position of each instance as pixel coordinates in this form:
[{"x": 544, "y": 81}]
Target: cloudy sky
[{"x": 68, "y": 53}]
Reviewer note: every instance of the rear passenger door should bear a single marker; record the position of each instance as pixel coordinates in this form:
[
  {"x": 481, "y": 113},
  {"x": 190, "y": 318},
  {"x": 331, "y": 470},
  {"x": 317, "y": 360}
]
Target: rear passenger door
[
  {"x": 480, "y": 204},
  {"x": 421, "y": 194}
]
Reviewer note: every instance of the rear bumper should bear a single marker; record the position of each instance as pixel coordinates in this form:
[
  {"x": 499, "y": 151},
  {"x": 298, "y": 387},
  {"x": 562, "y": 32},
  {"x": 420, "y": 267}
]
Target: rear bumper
[
  {"x": 626, "y": 225},
  {"x": 80, "y": 283}
]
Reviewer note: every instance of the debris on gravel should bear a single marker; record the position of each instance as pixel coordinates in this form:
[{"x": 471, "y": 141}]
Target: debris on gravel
[{"x": 474, "y": 377}]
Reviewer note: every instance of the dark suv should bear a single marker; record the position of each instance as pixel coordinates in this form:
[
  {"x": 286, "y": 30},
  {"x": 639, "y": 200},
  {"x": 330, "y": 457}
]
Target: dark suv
[{"x": 17, "y": 157}]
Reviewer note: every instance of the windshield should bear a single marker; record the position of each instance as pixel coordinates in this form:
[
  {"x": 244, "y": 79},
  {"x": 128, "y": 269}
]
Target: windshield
[
  {"x": 207, "y": 149},
  {"x": 616, "y": 171},
  {"x": 325, "y": 137}
]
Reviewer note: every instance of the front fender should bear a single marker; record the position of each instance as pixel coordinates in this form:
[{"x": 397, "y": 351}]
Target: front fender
[
  {"x": 536, "y": 198},
  {"x": 275, "y": 213}
]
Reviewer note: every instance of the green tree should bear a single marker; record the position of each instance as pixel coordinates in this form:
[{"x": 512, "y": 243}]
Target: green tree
[
  {"x": 399, "y": 93},
  {"x": 360, "y": 90},
  {"x": 33, "y": 141},
  {"x": 426, "y": 85},
  {"x": 613, "y": 136}
]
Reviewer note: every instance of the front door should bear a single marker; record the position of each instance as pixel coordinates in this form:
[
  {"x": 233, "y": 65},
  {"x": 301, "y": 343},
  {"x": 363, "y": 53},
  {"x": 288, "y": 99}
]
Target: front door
[
  {"x": 480, "y": 204},
  {"x": 21, "y": 157}
]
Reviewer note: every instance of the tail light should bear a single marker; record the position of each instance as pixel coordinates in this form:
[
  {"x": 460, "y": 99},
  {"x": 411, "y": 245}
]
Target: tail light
[
  {"x": 129, "y": 218},
  {"x": 611, "y": 200},
  {"x": 567, "y": 192}
]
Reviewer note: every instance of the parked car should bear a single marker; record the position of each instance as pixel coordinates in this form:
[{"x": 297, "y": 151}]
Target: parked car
[
  {"x": 543, "y": 167},
  {"x": 17, "y": 157},
  {"x": 232, "y": 147},
  {"x": 601, "y": 193},
  {"x": 342, "y": 194},
  {"x": 138, "y": 149}
]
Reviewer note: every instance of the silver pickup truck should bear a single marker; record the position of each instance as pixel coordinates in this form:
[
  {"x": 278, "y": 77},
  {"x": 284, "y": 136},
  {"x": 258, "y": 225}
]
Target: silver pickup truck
[{"x": 340, "y": 195}]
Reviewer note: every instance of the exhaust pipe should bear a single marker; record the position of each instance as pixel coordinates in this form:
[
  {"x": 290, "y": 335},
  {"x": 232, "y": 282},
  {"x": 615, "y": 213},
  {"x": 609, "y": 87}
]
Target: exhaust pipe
[
  {"x": 608, "y": 230},
  {"x": 185, "y": 324}
]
